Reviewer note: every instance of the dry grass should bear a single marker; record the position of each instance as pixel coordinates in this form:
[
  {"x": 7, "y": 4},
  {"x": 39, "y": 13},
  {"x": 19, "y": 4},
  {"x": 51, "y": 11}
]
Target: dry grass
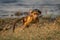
[{"x": 46, "y": 29}]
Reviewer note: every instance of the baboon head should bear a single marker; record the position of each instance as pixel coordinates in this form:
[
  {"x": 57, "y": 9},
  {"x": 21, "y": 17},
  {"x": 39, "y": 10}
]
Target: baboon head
[{"x": 35, "y": 13}]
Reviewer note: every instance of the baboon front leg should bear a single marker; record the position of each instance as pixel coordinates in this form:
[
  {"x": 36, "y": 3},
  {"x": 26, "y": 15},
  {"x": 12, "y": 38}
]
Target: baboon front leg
[{"x": 26, "y": 24}]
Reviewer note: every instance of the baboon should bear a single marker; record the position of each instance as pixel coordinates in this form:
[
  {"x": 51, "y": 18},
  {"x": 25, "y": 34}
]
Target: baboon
[{"x": 33, "y": 16}]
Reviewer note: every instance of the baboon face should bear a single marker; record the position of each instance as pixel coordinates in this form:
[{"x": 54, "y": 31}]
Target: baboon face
[{"x": 35, "y": 13}]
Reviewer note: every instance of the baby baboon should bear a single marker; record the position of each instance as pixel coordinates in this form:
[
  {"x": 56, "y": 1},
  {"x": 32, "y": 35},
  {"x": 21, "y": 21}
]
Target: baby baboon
[{"x": 33, "y": 16}]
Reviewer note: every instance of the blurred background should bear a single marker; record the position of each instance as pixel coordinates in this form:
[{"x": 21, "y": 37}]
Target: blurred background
[{"x": 48, "y": 7}]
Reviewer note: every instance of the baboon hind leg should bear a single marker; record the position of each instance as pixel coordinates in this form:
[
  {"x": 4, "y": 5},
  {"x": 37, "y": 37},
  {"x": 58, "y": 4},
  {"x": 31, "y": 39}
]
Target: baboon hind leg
[{"x": 16, "y": 21}]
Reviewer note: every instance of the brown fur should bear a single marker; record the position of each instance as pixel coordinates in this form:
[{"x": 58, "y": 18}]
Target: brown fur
[{"x": 28, "y": 19}]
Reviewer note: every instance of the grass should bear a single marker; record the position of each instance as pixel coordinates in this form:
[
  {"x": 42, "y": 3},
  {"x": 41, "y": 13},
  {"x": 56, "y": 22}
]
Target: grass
[{"x": 45, "y": 29}]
